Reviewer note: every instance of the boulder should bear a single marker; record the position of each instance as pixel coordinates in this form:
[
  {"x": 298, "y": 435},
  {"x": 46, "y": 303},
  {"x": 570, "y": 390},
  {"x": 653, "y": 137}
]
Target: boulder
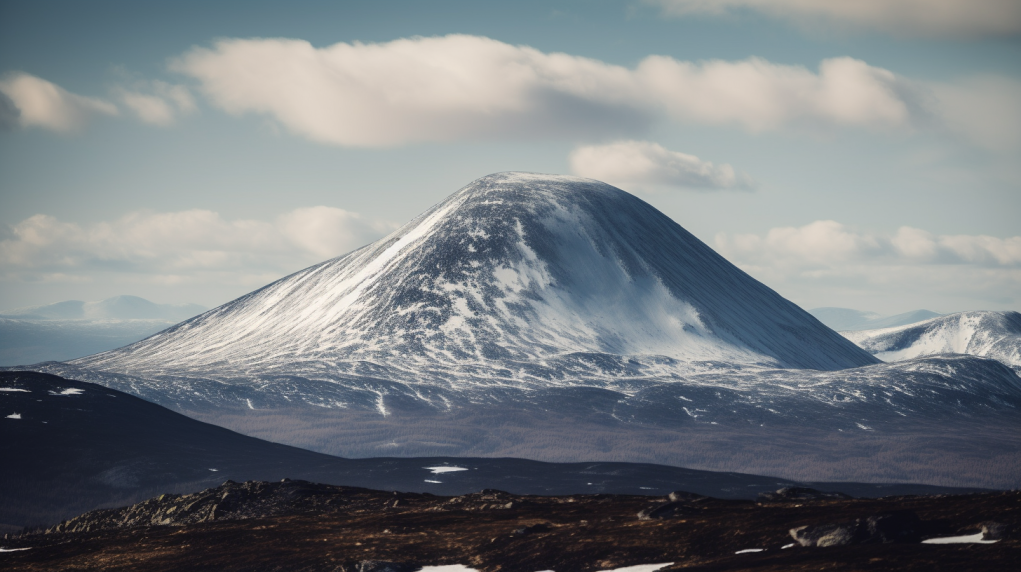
[
  {"x": 800, "y": 493},
  {"x": 668, "y": 510},
  {"x": 833, "y": 534},
  {"x": 900, "y": 526},
  {"x": 996, "y": 530}
]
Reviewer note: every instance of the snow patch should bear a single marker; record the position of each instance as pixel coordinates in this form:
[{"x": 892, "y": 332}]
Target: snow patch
[
  {"x": 641, "y": 567},
  {"x": 968, "y": 539},
  {"x": 14, "y": 549},
  {"x": 14, "y": 416},
  {"x": 15, "y": 389},
  {"x": 437, "y": 482},
  {"x": 68, "y": 391},
  {"x": 749, "y": 550},
  {"x": 444, "y": 469}
]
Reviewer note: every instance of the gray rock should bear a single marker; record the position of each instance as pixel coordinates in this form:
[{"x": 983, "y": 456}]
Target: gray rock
[
  {"x": 995, "y": 530},
  {"x": 800, "y": 493},
  {"x": 900, "y": 526},
  {"x": 679, "y": 496},
  {"x": 839, "y": 534},
  {"x": 668, "y": 510}
]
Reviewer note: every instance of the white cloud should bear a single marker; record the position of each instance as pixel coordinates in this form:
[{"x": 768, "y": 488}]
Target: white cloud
[
  {"x": 181, "y": 246},
  {"x": 826, "y": 242},
  {"x": 43, "y": 104},
  {"x": 643, "y": 165},
  {"x": 824, "y": 262},
  {"x": 954, "y": 18},
  {"x": 157, "y": 102},
  {"x": 458, "y": 87}
]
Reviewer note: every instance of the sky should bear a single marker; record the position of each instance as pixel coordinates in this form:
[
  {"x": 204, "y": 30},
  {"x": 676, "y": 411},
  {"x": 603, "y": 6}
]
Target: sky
[{"x": 850, "y": 153}]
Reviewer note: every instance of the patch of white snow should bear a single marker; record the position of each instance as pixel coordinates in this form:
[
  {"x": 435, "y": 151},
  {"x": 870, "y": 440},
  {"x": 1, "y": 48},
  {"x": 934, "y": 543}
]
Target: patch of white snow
[
  {"x": 748, "y": 550},
  {"x": 15, "y": 389},
  {"x": 641, "y": 567},
  {"x": 444, "y": 469},
  {"x": 14, "y": 416},
  {"x": 68, "y": 391},
  {"x": 969, "y": 539}
]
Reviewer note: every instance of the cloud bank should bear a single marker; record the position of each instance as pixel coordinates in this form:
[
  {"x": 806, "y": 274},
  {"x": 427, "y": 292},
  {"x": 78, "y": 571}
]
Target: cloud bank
[
  {"x": 643, "y": 165},
  {"x": 464, "y": 87},
  {"x": 157, "y": 102},
  {"x": 946, "y": 18},
  {"x": 828, "y": 257},
  {"x": 184, "y": 246},
  {"x": 39, "y": 103}
]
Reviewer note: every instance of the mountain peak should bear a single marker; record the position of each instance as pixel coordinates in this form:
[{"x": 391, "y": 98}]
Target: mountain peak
[{"x": 517, "y": 276}]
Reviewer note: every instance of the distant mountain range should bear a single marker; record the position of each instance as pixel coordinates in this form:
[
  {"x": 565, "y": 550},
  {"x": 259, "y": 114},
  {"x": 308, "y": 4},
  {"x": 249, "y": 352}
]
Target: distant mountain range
[
  {"x": 72, "y": 329},
  {"x": 116, "y": 308},
  {"x": 845, "y": 319}
]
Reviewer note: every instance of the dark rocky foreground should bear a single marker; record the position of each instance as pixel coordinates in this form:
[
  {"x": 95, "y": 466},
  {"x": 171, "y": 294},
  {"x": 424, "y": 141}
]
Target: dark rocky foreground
[{"x": 296, "y": 525}]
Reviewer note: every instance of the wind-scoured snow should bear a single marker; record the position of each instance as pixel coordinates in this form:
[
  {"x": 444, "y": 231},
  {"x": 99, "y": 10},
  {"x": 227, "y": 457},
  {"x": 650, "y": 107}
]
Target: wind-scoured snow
[
  {"x": 517, "y": 280},
  {"x": 995, "y": 335}
]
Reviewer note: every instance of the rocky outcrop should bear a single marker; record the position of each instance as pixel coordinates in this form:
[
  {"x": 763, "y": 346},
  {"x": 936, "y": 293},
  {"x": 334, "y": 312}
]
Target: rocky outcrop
[
  {"x": 229, "y": 501},
  {"x": 901, "y": 526}
]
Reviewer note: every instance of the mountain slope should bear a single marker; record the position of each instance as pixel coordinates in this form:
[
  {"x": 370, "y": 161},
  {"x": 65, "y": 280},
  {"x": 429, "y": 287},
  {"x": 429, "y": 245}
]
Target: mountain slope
[
  {"x": 516, "y": 278},
  {"x": 995, "y": 335}
]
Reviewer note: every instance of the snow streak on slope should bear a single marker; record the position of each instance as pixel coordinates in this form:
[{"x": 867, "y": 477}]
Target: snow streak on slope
[
  {"x": 995, "y": 335},
  {"x": 516, "y": 278}
]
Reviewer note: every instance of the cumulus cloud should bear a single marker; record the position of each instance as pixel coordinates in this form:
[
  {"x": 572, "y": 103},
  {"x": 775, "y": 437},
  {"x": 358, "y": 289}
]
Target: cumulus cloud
[
  {"x": 40, "y": 103},
  {"x": 158, "y": 102},
  {"x": 827, "y": 258},
  {"x": 181, "y": 245},
  {"x": 644, "y": 165},
  {"x": 458, "y": 87},
  {"x": 827, "y": 241},
  {"x": 953, "y": 18}
]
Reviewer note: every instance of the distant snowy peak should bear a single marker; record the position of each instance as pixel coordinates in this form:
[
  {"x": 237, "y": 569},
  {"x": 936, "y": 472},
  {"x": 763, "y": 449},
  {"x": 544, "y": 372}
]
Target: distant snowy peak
[
  {"x": 511, "y": 273},
  {"x": 996, "y": 335}
]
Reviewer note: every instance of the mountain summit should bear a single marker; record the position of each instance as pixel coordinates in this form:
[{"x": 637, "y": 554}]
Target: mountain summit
[{"x": 505, "y": 275}]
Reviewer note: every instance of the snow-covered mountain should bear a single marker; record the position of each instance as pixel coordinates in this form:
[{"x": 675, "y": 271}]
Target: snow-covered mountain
[
  {"x": 116, "y": 308},
  {"x": 995, "y": 335},
  {"x": 559, "y": 318},
  {"x": 515, "y": 279}
]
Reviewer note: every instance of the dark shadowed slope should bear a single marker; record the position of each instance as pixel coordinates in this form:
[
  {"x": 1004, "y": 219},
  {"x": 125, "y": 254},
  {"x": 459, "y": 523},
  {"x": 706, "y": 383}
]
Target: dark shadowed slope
[{"x": 70, "y": 446}]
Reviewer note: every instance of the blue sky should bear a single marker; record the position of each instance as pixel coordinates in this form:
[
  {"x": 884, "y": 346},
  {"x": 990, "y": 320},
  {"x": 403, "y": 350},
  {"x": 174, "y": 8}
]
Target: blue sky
[{"x": 859, "y": 154}]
